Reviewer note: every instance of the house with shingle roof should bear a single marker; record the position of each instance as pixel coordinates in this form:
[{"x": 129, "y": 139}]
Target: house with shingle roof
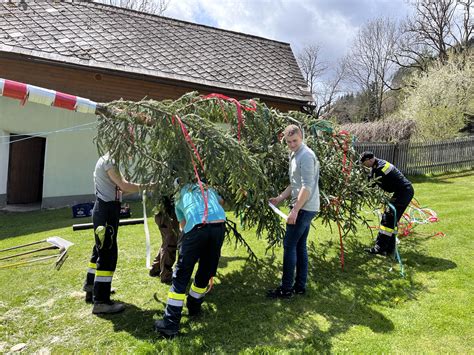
[{"x": 104, "y": 53}]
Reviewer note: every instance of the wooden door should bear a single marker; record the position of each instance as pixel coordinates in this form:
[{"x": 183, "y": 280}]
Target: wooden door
[{"x": 25, "y": 169}]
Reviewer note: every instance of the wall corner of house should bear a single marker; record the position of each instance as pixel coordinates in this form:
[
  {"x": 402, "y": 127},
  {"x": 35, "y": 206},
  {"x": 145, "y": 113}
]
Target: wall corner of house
[{"x": 3, "y": 200}]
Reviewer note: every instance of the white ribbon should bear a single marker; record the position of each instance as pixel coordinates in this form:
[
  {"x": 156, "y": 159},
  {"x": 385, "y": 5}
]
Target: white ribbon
[
  {"x": 41, "y": 96},
  {"x": 85, "y": 105},
  {"x": 147, "y": 231},
  {"x": 277, "y": 211}
]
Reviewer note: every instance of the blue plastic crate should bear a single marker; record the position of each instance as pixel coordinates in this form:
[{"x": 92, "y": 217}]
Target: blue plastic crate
[
  {"x": 82, "y": 210},
  {"x": 125, "y": 211}
]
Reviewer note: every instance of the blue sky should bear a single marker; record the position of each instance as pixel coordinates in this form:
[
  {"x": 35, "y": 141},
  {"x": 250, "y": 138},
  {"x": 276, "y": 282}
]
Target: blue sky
[{"x": 329, "y": 23}]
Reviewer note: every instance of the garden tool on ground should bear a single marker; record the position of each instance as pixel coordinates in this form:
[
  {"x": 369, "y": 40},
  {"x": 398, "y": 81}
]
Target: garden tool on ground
[{"x": 55, "y": 243}]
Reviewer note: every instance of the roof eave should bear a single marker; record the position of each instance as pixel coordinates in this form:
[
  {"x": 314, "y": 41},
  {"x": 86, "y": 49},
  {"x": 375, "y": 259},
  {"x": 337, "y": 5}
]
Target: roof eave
[{"x": 152, "y": 73}]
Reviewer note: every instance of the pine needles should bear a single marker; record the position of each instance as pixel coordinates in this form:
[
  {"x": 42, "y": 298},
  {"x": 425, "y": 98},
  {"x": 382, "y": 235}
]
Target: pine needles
[{"x": 237, "y": 147}]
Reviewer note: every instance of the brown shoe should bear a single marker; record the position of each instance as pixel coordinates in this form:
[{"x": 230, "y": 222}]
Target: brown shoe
[
  {"x": 166, "y": 280},
  {"x": 154, "y": 271},
  {"x": 107, "y": 308}
]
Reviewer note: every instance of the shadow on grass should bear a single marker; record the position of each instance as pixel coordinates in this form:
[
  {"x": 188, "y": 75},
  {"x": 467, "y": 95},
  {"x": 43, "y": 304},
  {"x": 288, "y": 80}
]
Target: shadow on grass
[
  {"x": 238, "y": 316},
  {"x": 13, "y": 224},
  {"x": 427, "y": 263},
  {"x": 413, "y": 255},
  {"x": 440, "y": 178},
  {"x": 133, "y": 320},
  {"x": 225, "y": 260}
]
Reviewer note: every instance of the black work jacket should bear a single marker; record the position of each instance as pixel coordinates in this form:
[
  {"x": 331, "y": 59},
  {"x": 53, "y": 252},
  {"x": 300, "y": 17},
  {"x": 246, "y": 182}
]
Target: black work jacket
[{"x": 390, "y": 178}]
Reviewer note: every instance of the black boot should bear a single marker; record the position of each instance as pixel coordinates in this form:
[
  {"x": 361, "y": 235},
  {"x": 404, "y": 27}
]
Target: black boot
[
  {"x": 89, "y": 291},
  {"x": 279, "y": 292},
  {"x": 194, "y": 306},
  {"x": 381, "y": 245},
  {"x": 391, "y": 243},
  {"x": 161, "y": 327}
]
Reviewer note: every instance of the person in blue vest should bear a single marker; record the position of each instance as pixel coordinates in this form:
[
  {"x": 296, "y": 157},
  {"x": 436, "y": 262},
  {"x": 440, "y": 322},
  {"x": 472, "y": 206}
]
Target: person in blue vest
[
  {"x": 391, "y": 180},
  {"x": 202, "y": 218}
]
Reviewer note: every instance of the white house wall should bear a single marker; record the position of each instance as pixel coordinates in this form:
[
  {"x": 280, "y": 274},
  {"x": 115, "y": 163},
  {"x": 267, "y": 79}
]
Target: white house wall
[
  {"x": 70, "y": 157},
  {"x": 4, "y": 151}
]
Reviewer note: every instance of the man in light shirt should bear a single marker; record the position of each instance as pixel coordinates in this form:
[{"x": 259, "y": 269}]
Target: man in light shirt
[{"x": 303, "y": 192}]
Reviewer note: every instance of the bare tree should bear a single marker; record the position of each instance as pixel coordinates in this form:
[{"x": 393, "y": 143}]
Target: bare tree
[
  {"x": 323, "y": 85},
  {"x": 466, "y": 26},
  {"x": 157, "y": 7},
  {"x": 370, "y": 62},
  {"x": 310, "y": 63},
  {"x": 436, "y": 27},
  {"x": 329, "y": 89}
]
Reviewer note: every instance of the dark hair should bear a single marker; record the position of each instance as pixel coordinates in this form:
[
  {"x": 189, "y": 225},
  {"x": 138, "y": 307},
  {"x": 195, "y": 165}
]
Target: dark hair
[{"x": 367, "y": 155}]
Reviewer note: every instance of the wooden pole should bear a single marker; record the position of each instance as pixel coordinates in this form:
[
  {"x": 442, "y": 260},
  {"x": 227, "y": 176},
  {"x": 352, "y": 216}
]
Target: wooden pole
[
  {"x": 23, "y": 245},
  {"x": 123, "y": 222},
  {"x": 28, "y": 252}
]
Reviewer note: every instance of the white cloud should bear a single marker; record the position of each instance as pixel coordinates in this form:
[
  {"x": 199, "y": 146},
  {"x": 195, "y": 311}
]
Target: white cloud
[{"x": 331, "y": 23}]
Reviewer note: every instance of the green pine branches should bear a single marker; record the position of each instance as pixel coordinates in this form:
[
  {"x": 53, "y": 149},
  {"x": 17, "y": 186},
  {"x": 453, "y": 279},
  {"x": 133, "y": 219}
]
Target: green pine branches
[{"x": 161, "y": 140}]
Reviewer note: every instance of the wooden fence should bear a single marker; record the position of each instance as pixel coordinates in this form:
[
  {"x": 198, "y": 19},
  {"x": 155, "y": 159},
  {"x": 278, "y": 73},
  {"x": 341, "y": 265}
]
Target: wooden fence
[{"x": 425, "y": 158}]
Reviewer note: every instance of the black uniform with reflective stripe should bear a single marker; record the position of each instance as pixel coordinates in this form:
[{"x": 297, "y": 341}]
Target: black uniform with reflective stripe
[{"x": 390, "y": 179}]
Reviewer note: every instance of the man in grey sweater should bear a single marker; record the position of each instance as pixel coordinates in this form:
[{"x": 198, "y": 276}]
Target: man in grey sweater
[{"x": 304, "y": 193}]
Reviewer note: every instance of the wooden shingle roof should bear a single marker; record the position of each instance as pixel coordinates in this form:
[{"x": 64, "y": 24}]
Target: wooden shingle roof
[{"x": 107, "y": 37}]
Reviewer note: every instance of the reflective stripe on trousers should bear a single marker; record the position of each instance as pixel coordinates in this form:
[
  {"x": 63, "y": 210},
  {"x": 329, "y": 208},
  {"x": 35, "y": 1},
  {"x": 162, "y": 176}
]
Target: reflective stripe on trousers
[
  {"x": 387, "y": 231},
  {"x": 176, "y": 299},
  {"x": 197, "y": 292}
]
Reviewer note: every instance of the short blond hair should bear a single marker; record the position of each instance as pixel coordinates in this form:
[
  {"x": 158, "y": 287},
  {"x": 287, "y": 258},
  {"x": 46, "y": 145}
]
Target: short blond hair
[{"x": 291, "y": 130}]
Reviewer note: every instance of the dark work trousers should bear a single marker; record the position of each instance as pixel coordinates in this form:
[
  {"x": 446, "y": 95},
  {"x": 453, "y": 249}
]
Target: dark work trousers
[
  {"x": 163, "y": 264},
  {"x": 104, "y": 256},
  {"x": 203, "y": 243},
  {"x": 388, "y": 226}
]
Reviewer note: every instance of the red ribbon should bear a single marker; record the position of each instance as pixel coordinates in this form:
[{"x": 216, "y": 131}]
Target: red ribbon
[
  {"x": 65, "y": 101},
  {"x": 346, "y": 169},
  {"x": 188, "y": 139},
  {"x": 238, "y": 106},
  {"x": 341, "y": 244},
  {"x": 15, "y": 90}
]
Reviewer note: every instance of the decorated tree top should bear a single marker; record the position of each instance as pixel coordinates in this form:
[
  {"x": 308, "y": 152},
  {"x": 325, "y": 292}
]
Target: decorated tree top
[{"x": 237, "y": 147}]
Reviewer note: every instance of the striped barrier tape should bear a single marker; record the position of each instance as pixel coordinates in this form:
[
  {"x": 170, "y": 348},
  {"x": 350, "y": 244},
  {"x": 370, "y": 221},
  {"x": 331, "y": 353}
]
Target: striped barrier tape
[{"x": 30, "y": 93}]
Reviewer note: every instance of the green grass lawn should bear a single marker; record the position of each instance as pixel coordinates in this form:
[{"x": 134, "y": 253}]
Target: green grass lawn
[{"x": 368, "y": 308}]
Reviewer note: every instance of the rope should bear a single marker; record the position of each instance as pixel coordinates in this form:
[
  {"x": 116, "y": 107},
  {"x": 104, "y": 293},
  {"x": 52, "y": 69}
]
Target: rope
[
  {"x": 147, "y": 231},
  {"x": 415, "y": 216},
  {"x": 395, "y": 228},
  {"x": 46, "y": 133}
]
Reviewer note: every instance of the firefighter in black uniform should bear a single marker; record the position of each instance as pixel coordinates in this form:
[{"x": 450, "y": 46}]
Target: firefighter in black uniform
[{"x": 391, "y": 180}]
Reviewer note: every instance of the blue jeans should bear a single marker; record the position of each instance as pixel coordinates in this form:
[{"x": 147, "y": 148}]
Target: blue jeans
[{"x": 295, "y": 252}]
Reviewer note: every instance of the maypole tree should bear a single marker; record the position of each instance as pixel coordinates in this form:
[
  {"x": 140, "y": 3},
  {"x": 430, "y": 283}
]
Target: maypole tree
[{"x": 237, "y": 147}]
